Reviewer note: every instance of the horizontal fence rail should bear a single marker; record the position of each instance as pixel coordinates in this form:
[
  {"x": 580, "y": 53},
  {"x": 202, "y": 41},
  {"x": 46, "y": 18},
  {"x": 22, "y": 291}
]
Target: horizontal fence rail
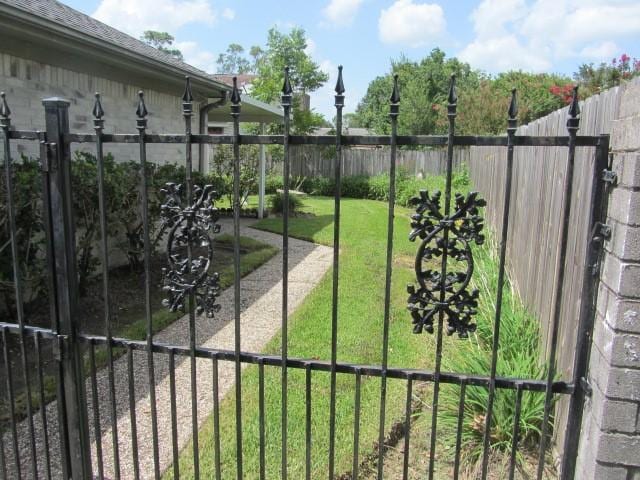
[{"x": 441, "y": 303}]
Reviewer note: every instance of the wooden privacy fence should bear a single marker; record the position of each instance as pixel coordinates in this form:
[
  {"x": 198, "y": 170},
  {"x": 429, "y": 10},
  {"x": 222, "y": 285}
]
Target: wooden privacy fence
[
  {"x": 310, "y": 161},
  {"x": 534, "y": 222}
]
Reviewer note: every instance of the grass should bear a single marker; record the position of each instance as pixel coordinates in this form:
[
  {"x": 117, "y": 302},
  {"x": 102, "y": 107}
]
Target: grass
[
  {"x": 360, "y": 304},
  {"x": 360, "y": 310},
  {"x": 256, "y": 253}
]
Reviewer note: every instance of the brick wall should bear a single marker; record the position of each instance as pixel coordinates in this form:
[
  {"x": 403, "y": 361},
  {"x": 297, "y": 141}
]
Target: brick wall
[
  {"x": 27, "y": 82},
  {"x": 610, "y": 440}
]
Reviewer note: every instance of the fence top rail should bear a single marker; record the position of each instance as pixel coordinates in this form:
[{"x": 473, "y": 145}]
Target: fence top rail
[{"x": 325, "y": 140}]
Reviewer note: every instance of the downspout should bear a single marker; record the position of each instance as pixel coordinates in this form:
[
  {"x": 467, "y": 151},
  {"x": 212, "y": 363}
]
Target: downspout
[{"x": 202, "y": 128}]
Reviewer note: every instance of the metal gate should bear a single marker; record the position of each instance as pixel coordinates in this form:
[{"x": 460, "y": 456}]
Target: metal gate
[{"x": 440, "y": 302}]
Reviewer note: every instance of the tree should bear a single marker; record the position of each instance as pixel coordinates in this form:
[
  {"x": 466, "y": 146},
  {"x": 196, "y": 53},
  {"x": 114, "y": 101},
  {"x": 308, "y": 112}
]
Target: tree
[
  {"x": 162, "y": 41},
  {"x": 593, "y": 80},
  {"x": 482, "y": 109},
  {"x": 424, "y": 86},
  {"x": 284, "y": 50},
  {"x": 233, "y": 60}
]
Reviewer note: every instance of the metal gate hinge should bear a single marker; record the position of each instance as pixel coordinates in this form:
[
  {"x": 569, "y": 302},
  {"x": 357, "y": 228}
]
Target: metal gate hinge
[
  {"x": 603, "y": 231},
  {"x": 60, "y": 347},
  {"x": 586, "y": 387},
  {"x": 609, "y": 176}
]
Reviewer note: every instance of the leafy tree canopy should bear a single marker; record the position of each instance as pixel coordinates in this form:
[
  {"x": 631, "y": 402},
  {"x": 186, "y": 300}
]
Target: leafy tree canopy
[
  {"x": 593, "y": 79},
  {"x": 234, "y": 61},
  {"x": 162, "y": 41},
  {"x": 483, "y": 100}
]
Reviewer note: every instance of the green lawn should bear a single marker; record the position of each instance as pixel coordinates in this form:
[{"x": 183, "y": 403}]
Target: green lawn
[{"x": 361, "y": 299}]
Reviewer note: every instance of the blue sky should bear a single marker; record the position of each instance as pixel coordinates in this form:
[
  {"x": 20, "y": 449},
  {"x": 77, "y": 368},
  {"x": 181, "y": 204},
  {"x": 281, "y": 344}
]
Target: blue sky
[{"x": 364, "y": 35}]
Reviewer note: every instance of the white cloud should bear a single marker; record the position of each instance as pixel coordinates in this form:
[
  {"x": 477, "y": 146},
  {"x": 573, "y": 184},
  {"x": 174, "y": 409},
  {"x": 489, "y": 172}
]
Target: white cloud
[
  {"x": 411, "y": 24},
  {"x": 228, "y": 13},
  {"x": 501, "y": 54},
  {"x": 533, "y": 35},
  {"x": 196, "y": 56},
  {"x": 311, "y": 47},
  {"x": 340, "y": 13},
  {"x": 134, "y": 17},
  {"x": 601, "y": 51}
]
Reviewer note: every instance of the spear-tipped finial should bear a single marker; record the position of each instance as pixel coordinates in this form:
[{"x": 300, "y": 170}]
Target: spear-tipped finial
[
  {"x": 574, "y": 109},
  {"x": 286, "y": 90},
  {"x": 453, "y": 97},
  {"x": 5, "y": 111},
  {"x": 286, "y": 86},
  {"x": 235, "y": 93},
  {"x": 394, "y": 109},
  {"x": 395, "y": 94},
  {"x": 187, "y": 96},
  {"x": 513, "y": 106},
  {"x": 339, "y": 82},
  {"x": 141, "y": 111},
  {"x": 573, "y": 122},
  {"x": 98, "y": 112}
]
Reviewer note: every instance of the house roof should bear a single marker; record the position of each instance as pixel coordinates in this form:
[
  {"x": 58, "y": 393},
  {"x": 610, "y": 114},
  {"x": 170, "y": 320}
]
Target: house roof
[
  {"x": 244, "y": 79},
  {"x": 69, "y": 18},
  {"x": 51, "y": 24}
]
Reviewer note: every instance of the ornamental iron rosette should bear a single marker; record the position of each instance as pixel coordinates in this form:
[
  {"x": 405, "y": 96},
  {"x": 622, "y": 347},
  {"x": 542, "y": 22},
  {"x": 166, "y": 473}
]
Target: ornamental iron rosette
[
  {"x": 462, "y": 228},
  {"x": 190, "y": 249}
]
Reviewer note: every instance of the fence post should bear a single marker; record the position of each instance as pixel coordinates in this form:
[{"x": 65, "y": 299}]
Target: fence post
[{"x": 72, "y": 405}]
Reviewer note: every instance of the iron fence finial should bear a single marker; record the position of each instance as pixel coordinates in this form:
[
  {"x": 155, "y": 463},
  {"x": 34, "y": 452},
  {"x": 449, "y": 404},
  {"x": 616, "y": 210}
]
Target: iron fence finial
[
  {"x": 453, "y": 96},
  {"x": 339, "y": 83},
  {"x": 286, "y": 86},
  {"x": 98, "y": 112},
  {"x": 513, "y": 106},
  {"x": 394, "y": 108},
  {"x": 5, "y": 111},
  {"x": 235, "y": 93},
  {"x": 513, "y": 112},
  {"x": 286, "y": 90},
  {"x": 141, "y": 111},
  {"x": 187, "y": 96},
  {"x": 339, "y": 97},
  {"x": 574, "y": 109},
  {"x": 573, "y": 122}
]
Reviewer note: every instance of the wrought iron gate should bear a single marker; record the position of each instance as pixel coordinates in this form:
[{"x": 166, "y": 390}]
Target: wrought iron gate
[{"x": 441, "y": 301}]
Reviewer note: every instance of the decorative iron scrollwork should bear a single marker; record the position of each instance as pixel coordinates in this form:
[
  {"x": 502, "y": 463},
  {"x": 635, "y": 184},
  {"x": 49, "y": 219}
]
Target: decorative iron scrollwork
[
  {"x": 458, "y": 231},
  {"x": 190, "y": 248}
]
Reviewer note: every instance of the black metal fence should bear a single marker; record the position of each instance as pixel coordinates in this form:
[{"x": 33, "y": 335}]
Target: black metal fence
[{"x": 441, "y": 301}]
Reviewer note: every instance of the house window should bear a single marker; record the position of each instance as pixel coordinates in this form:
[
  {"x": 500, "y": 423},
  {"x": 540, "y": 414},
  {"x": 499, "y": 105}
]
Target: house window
[{"x": 215, "y": 130}]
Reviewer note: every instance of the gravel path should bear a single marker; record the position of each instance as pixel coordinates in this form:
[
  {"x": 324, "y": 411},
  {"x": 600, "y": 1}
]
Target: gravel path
[{"x": 261, "y": 302}]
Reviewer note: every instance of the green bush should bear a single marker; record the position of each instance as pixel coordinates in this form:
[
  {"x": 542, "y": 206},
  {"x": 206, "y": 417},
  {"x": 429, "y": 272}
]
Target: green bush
[
  {"x": 356, "y": 186},
  {"x": 276, "y": 203},
  {"x": 273, "y": 183},
  {"x": 518, "y": 357}
]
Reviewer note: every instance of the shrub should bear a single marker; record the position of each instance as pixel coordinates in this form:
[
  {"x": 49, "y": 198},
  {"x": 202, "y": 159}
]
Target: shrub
[
  {"x": 379, "y": 187},
  {"x": 273, "y": 183},
  {"x": 276, "y": 203},
  {"x": 518, "y": 357},
  {"x": 356, "y": 186}
]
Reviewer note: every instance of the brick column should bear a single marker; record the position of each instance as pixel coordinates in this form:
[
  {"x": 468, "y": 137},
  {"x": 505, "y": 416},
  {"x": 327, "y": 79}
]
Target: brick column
[{"x": 610, "y": 440}]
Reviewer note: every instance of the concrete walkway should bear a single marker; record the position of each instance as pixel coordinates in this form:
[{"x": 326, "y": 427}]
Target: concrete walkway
[{"x": 261, "y": 302}]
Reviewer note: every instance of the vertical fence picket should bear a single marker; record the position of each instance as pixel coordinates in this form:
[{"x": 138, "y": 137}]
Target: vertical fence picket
[
  {"x": 98, "y": 125},
  {"x": 339, "y": 104},
  {"x": 511, "y": 131},
  {"x": 394, "y": 110},
  {"x": 573, "y": 124},
  {"x": 451, "y": 112},
  {"x": 235, "y": 113},
  {"x": 286, "y": 105}
]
